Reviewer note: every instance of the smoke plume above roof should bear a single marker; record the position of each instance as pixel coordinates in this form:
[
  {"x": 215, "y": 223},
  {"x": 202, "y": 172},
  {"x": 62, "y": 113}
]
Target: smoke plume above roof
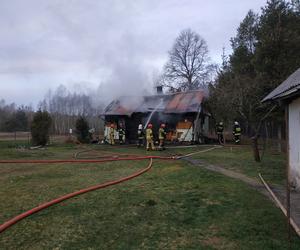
[{"x": 117, "y": 45}]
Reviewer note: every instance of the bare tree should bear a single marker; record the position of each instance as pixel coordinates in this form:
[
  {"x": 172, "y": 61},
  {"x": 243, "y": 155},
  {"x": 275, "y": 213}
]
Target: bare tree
[
  {"x": 188, "y": 66},
  {"x": 65, "y": 107}
]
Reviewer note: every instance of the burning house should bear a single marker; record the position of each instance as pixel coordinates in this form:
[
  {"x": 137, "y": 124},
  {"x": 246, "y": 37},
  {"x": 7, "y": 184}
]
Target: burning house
[{"x": 182, "y": 112}]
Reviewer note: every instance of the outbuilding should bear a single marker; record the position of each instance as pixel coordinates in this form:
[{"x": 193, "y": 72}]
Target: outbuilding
[
  {"x": 288, "y": 93},
  {"x": 182, "y": 112}
]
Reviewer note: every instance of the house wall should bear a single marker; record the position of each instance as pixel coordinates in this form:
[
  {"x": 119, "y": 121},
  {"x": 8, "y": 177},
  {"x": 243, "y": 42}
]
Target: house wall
[
  {"x": 129, "y": 123},
  {"x": 171, "y": 121},
  {"x": 184, "y": 131},
  {"x": 132, "y": 124},
  {"x": 294, "y": 142}
]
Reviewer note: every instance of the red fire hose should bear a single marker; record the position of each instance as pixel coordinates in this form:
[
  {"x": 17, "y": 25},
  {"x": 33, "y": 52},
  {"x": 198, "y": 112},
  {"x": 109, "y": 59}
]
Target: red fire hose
[
  {"x": 19, "y": 217},
  {"x": 136, "y": 158}
]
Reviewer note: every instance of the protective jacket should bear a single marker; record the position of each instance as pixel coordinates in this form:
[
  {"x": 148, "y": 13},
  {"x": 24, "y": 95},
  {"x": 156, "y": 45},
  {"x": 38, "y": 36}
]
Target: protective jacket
[
  {"x": 237, "y": 130},
  {"x": 149, "y": 134},
  {"x": 111, "y": 131},
  {"x": 140, "y": 134},
  {"x": 219, "y": 128},
  {"x": 161, "y": 134},
  {"x": 112, "y": 136},
  {"x": 121, "y": 132}
]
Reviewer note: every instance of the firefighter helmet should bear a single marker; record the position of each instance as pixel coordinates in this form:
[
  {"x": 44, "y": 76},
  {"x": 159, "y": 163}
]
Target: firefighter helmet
[
  {"x": 163, "y": 125},
  {"x": 140, "y": 126},
  {"x": 150, "y": 125}
]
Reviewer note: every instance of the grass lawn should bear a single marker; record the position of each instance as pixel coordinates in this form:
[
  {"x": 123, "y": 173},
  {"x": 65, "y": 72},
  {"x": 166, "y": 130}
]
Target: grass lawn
[
  {"x": 240, "y": 159},
  {"x": 174, "y": 206}
]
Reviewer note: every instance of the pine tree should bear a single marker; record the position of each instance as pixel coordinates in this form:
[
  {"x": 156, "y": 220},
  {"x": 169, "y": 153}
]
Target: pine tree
[
  {"x": 40, "y": 128},
  {"x": 278, "y": 46},
  {"x": 266, "y": 50},
  {"x": 82, "y": 129}
]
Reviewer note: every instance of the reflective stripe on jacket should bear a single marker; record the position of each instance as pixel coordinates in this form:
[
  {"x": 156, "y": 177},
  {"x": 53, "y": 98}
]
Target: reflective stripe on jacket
[
  {"x": 237, "y": 130},
  {"x": 121, "y": 132}
]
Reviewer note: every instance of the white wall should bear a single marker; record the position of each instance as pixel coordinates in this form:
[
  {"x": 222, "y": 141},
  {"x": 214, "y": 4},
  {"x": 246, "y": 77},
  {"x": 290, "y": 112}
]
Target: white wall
[
  {"x": 187, "y": 134},
  {"x": 294, "y": 142}
]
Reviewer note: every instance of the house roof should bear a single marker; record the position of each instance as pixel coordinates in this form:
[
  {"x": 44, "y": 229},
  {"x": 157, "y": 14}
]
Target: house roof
[
  {"x": 182, "y": 102},
  {"x": 289, "y": 87},
  {"x": 124, "y": 105},
  {"x": 185, "y": 102}
]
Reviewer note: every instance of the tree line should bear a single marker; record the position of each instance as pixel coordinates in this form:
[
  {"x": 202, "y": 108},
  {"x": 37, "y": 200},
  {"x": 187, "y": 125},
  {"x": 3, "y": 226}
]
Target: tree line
[
  {"x": 66, "y": 106},
  {"x": 265, "y": 51},
  {"x": 63, "y": 106},
  {"x": 14, "y": 118}
]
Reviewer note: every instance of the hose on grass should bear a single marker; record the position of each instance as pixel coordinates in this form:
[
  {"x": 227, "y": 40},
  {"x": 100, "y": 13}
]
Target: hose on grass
[
  {"x": 104, "y": 154},
  {"x": 19, "y": 217},
  {"x": 45, "y": 205}
]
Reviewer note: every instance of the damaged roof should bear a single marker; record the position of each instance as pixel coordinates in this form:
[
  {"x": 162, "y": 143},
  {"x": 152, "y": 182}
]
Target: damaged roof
[
  {"x": 182, "y": 102},
  {"x": 125, "y": 105},
  {"x": 289, "y": 87},
  {"x": 185, "y": 102}
]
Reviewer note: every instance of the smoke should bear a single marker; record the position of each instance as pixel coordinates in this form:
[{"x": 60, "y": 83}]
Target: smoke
[
  {"x": 110, "y": 48},
  {"x": 122, "y": 71},
  {"x": 129, "y": 73},
  {"x": 125, "y": 80}
]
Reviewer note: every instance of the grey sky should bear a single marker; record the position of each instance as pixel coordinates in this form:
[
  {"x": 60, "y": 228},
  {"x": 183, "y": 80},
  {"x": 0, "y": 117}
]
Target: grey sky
[{"x": 120, "y": 44}]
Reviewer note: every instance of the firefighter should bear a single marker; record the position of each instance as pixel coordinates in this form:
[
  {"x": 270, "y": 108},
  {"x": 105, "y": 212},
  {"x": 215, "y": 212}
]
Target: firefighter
[
  {"x": 219, "y": 131},
  {"x": 140, "y": 135},
  {"x": 112, "y": 134},
  {"x": 149, "y": 137},
  {"x": 237, "y": 132},
  {"x": 121, "y": 132},
  {"x": 162, "y": 136}
]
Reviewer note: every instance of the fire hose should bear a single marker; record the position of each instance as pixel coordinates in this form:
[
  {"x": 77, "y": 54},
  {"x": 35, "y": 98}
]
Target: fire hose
[
  {"x": 19, "y": 217},
  {"x": 34, "y": 210}
]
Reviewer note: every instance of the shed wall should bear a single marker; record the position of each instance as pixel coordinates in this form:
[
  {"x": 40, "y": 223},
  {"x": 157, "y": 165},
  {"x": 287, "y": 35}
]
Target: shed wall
[{"x": 294, "y": 142}]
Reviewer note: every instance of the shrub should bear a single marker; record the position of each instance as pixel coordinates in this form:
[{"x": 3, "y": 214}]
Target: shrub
[
  {"x": 82, "y": 130},
  {"x": 40, "y": 128}
]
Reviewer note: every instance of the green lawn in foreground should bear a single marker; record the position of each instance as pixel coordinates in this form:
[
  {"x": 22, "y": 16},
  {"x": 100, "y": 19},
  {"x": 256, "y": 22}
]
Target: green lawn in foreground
[{"x": 174, "y": 206}]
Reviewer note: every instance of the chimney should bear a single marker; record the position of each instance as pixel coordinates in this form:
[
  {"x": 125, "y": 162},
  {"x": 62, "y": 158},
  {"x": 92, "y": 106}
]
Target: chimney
[{"x": 159, "y": 89}]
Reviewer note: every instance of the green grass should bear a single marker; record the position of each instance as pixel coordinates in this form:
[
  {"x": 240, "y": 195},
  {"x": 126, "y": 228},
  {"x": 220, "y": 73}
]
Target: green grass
[
  {"x": 20, "y": 150},
  {"x": 240, "y": 159},
  {"x": 174, "y": 206}
]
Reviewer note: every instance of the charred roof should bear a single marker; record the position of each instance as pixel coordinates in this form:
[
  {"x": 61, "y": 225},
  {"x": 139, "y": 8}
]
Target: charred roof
[{"x": 182, "y": 102}]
